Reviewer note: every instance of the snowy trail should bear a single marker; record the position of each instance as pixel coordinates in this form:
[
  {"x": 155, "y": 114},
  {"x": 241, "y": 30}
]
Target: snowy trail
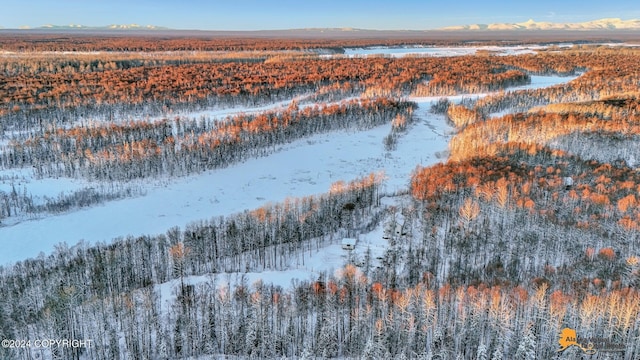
[{"x": 301, "y": 168}]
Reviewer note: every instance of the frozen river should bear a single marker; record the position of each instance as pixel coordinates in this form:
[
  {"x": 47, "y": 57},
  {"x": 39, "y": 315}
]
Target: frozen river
[{"x": 441, "y": 51}]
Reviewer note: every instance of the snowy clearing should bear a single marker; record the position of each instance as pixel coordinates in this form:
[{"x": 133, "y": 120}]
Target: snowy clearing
[{"x": 303, "y": 167}]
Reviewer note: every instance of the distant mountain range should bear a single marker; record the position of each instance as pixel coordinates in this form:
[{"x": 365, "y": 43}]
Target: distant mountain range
[
  {"x": 107, "y": 27},
  {"x": 601, "y": 24}
]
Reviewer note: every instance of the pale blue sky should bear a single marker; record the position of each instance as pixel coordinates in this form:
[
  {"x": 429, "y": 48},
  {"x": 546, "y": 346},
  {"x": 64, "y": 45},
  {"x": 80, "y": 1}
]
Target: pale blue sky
[{"x": 287, "y": 14}]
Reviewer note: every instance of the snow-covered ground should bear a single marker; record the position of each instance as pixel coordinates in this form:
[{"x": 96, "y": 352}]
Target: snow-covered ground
[
  {"x": 440, "y": 51},
  {"x": 22, "y": 181},
  {"x": 301, "y": 168},
  {"x": 399, "y": 51},
  {"x": 539, "y": 82}
]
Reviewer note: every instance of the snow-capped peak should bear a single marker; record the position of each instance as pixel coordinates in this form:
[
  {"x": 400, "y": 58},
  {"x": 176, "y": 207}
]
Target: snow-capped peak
[{"x": 531, "y": 24}]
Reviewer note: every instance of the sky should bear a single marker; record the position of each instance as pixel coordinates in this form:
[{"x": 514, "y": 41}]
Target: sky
[{"x": 289, "y": 14}]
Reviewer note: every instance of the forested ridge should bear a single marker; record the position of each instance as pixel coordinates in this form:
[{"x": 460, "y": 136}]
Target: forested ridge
[{"x": 531, "y": 224}]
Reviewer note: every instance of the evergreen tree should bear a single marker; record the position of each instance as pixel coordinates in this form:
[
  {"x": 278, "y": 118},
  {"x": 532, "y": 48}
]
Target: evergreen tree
[
  {"x": 327, "y": 340},
  {"x": 375, "y": 349},
  {"x": 482, "y": 352},
  {"x": 163, "y": 352},
  {"x": 497, "y": 354},
  {"x": 307, "y": 353},
  {"x": 527, "y": 347}
]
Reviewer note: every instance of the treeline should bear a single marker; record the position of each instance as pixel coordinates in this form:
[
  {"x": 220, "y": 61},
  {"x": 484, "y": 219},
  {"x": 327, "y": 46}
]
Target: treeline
[
  {"x": 162, "y": 41},
  {"x": 16, "y": 203},
  {"x": 614, "y": 107},
  {"x": 172, "y": 42},
  {"x": 445, "y": 84},
  {"x": 35, "y": 63},
  {"x": 613, "y": 148},
  {"x": 615, "y": 117},
  {"x": 399, "y": 126},
  {"x": 183, "y": 146}
]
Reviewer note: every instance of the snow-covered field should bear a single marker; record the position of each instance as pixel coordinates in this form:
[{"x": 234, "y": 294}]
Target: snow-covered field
[
  {"x": 21, "y": 180},
  {"x": 303, "y": 167}
]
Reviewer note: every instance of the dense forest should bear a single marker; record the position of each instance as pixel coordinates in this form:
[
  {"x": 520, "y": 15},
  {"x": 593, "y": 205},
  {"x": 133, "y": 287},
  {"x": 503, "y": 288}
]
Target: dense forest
[{"x": 529, "y": 226}]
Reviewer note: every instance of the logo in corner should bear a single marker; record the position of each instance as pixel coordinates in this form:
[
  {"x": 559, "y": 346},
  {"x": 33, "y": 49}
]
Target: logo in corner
[{"x": 569, "y": 337}]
